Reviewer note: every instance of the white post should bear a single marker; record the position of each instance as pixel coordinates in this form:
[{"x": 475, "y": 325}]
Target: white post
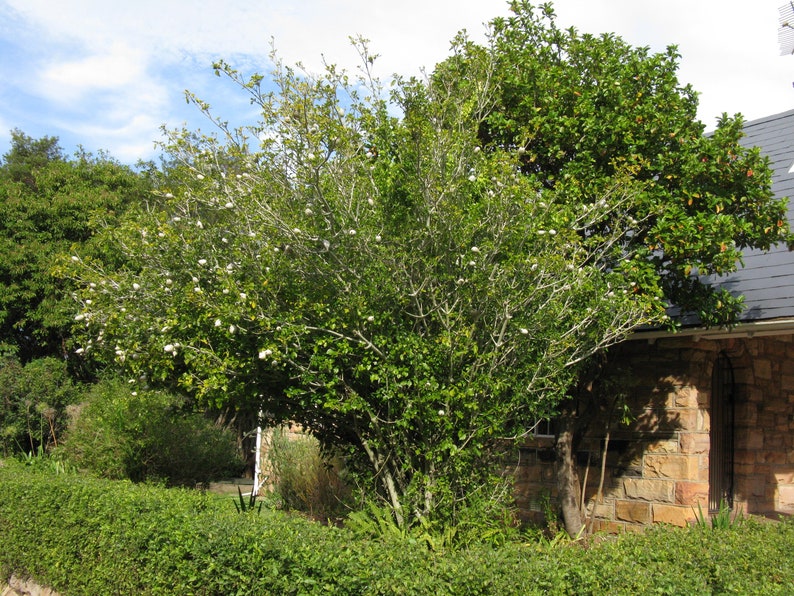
[{"x": 258, "y": 456}]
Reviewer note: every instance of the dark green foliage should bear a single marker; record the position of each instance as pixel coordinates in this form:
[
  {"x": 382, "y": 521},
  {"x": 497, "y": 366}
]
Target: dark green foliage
[
  {"x": 33, "y": 401},
  {"x": 147, "y": 435},
  {"x": 582, "y": 108},
  {"x": 48, "y": 204},
  {"x": 83, "y": 536}
]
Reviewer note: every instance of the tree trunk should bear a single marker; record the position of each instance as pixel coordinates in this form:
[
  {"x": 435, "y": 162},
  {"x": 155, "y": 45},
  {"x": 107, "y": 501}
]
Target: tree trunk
[{"x": 568, "y": 477}]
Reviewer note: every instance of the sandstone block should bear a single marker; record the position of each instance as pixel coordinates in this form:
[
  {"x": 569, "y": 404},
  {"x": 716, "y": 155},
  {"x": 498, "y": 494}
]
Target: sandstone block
[
  {"x": 686, "y": 397},
  {"x": 762, "y": 369},
  {"x": 692, "y": 493},
  {"x": 633, "y": 512},
  {"x": 785, "y": 498},
  {"x": 695, "y": 443},
  {"x": 670, "y": 446},
  {"x": 683, "y": 467},
  {"x": 645, "y": 489},
  {"x": 672, "y": 514}
]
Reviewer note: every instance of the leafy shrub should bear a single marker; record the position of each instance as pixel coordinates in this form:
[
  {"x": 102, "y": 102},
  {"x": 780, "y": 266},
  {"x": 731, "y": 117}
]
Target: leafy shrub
[
  {"x": 121, "y": 434},
  {"x": 33, "y": 402},
  {"x": 80, "y": 535}
]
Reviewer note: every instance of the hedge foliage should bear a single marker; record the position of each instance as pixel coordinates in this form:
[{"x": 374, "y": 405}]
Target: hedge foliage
[{"x": 88, "y": 536}]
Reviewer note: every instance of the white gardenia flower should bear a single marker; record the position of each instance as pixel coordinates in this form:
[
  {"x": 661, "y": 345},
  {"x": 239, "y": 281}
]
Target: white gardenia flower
[
  {"x": 243, "y": 295},
  {"x": 552, "y": 232},
  {"x": 524, "y": 331},
  {"x": 232, "y": 329},
  {"x": 475, "y": 249},
  {"x": 168, "y": 348},
  {"x": 79, "y": 351},
  {"x": 169, "y": 281},
  {"x": 308, "y": 211},
  {"x": 79, "y": 317},
  {"x": 199, "y": 225},
  {"x": 352, "y": 232},
  {"x": 218, "y": 322},
  {"x": 229, "y": 205},
  {"x": 265, "y": 354},
  {"x": 370, "y": 318},
  {"x": 200, "y": 176},
  {"x": 136, "y": 287},
  {"x": 472, "y": 178},
  {"x": 441, "y": 412},
  {"x": 75, "y": 258},
  {"x": 202, "y": 261},
  {"x": 195, "y": 279},
  {"x": 378, "y": 238},
  {"x": 370, "y": 201}
]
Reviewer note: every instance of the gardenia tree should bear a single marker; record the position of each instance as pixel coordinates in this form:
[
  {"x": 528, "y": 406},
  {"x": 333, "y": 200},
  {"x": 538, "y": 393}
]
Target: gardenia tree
[{"x": 402, "y": 286}]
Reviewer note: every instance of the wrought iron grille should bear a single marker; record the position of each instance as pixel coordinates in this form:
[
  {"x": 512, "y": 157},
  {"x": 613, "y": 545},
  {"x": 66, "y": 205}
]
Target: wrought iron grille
[{"x": 722, "y": 430}]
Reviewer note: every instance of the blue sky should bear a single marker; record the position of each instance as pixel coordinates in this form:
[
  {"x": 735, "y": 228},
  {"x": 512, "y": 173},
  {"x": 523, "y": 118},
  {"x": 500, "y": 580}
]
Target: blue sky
[{"x": 106, "y": 75}]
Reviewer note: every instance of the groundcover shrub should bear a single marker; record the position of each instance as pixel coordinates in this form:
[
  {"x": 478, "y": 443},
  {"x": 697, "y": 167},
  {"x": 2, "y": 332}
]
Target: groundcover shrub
[
  {"x": 80, "y": 535},
  {"x": 118, "y": 433}
]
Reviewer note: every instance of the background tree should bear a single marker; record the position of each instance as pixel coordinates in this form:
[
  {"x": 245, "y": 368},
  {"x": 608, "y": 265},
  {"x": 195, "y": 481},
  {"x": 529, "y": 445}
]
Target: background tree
[{"x": 47, "y": 204}]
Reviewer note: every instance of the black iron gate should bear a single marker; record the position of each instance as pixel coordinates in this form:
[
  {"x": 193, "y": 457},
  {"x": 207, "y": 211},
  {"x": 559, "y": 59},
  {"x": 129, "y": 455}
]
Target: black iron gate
[{"x": 721, "y": 454}]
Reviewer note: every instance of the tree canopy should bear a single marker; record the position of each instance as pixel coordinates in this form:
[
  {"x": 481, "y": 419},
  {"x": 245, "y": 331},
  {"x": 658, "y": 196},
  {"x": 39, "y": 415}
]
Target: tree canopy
[
  {"x": 48, "y": 203},
  {"x": 418, "y": 275}
]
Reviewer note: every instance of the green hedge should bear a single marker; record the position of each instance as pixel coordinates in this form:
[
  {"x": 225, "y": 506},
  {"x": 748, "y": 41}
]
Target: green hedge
[{"x": 86, "y": 536}]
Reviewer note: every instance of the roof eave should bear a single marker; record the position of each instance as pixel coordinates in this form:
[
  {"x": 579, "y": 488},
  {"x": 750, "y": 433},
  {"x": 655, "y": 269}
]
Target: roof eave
[{"x": 748, "y": 329}]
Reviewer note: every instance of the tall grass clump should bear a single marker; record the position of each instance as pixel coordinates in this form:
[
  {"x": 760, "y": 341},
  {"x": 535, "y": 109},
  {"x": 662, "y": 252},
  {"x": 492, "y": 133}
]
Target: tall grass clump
[{"x": 303, "y": 477}]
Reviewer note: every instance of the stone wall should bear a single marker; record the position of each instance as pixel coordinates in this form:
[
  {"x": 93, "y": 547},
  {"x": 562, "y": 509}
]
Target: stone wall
[
  {"x": 16, "y": 586},
  {"x": 658, "y": 467}
]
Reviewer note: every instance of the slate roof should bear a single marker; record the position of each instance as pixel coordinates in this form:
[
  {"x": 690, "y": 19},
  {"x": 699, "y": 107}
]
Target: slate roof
[{"x": 767, "y": 278}]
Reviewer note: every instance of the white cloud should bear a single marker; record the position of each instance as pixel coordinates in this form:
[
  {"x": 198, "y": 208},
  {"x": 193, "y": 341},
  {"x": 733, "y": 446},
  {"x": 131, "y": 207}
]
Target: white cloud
[
  {"x": 117, "y": 67},
  {"x": 116, "y": 70}
]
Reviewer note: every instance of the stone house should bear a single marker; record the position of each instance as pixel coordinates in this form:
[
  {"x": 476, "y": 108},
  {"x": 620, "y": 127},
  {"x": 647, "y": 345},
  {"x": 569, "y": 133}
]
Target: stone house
[{"x": 713, "y": 409}]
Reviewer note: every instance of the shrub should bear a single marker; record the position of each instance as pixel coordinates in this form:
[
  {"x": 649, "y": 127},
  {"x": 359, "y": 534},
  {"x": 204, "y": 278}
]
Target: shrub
[
  {"x": 33, "y": 402},
  {"x": 121, "y": 434},
  {"x": 80, "y": 535}
]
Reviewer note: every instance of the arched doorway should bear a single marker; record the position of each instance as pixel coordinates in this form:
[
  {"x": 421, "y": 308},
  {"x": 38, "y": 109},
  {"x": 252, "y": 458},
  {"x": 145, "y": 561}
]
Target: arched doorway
[{"x": 722, "y": 430}]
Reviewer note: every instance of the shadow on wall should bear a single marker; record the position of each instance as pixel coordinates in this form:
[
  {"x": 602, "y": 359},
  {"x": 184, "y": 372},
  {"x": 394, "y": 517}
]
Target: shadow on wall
[{"x": 664, "y": 463}]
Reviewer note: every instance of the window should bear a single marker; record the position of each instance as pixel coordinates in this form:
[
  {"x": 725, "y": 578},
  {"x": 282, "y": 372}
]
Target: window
[{"x": 543, "y": 428}]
